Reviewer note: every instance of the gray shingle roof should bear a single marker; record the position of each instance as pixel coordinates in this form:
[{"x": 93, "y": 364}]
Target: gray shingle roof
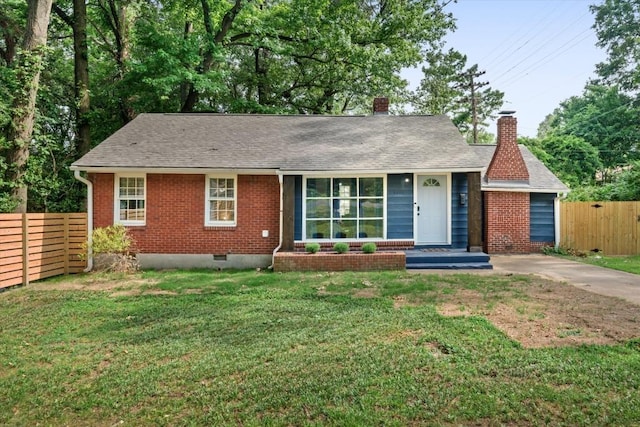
[
  {"x": 540, "y": 177},
  {"x": 299, "y": 143},
  {"x": 288, "y": 143}
]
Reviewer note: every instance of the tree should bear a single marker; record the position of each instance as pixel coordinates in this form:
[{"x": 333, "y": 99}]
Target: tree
[
  {"x": 570, "y": 158},
  {"x": 449, "y": 87},
  {"x": 617, "y": 25},
  {"x": 605, "y": 118},
  {"x": 29, "y": 63},
  {"x": 77, "y": 20}
]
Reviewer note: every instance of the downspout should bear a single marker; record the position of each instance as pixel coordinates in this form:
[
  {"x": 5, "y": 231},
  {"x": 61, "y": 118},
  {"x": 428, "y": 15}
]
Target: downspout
[
  {"x": 556, "y": 219},
  {"x": 273, "y": 255},
  {"x": 89, "y": 184}
]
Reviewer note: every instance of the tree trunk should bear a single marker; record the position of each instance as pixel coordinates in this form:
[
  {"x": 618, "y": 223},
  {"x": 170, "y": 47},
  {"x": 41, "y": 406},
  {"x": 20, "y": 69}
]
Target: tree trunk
[
  {"x": 23, "y": 111},
  {"x": 214, "y": 39},
  {"x": 81, "y": 74}
]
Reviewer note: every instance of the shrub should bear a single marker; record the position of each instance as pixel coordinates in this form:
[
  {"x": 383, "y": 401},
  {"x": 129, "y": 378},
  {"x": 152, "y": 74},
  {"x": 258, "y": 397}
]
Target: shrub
[
  {"x": 312, "y": 248},
  {"x": 341, "y": 247},
  {"x": 369, "y": 248},
  {"x": 112, "y": 249}
]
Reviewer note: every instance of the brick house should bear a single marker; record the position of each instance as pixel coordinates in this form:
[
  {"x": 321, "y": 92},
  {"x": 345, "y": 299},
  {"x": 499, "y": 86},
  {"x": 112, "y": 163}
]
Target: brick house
[{"x": 217, "y": 190}]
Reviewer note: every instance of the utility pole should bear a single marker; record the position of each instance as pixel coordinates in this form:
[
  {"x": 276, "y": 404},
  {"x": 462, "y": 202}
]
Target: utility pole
[{"x": 473, "y": 86}]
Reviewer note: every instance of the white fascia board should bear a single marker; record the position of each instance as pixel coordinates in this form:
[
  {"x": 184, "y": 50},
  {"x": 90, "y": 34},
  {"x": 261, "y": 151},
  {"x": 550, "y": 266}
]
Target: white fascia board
[
  {"x": 178, "y": 171},
  {"x": 345, "y": 172},
  {"x": 524, "y": 190}
]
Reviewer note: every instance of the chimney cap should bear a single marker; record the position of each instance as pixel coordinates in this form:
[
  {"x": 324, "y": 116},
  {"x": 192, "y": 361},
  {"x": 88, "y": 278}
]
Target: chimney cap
[{"x": 507, "y": 112}]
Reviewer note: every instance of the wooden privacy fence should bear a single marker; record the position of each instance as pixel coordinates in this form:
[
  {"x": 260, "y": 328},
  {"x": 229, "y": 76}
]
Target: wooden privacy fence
[
  {"x": 36, "y": 246},
  {"x": 609, "y": 227}
]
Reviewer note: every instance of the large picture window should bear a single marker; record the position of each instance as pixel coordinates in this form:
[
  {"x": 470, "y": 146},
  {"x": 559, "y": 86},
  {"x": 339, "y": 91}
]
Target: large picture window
[
  {"x": 130, "y": 199},
  {"x": 344, "y": 208},
  {"x": 221, "y": 201}
]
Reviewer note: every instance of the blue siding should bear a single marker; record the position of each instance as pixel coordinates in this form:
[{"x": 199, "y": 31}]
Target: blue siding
[
  {"x": 400, "y": 206},
  {"x": 459, "y": 213},
  {"x": 297, "y": 230},
  {"x": 542, "y": 217}
]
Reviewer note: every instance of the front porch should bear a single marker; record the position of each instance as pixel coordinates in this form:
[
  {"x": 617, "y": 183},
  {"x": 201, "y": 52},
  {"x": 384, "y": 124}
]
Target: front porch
[{"x": 410, "y": 259}]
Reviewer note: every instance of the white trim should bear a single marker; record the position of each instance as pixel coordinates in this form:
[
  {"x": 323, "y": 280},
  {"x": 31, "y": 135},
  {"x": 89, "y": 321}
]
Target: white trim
[
  {"x": 248, "y": 171},
  {"x": 378, "y": 172},
  {"x": 344, "y": 175},
  {"x": 281, "y": 219},
  {"x": 448, "y": 177},
  {"x": 176, "y": 171},
  {"x": 116, "y": 200},
  {"x": 525, "y": 190},
  {"x": 89, "y": 185},
  {"x": 207, "y": 200}
]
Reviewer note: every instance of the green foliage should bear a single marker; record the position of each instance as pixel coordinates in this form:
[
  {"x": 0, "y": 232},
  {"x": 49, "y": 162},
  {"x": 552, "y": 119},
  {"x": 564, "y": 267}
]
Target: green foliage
[
  {"x": 569, "y": 157},
  {"x": 114, "y": 239},
  {"x": 553, "y": 250},
  {"x": 312, "y": 248},
  {"x": 617, "y": 24},
  {"x": 369, "y": 248},
  {"x": 341, "y": 247},
  {"x": 606, "y": 119},
  {"x": 624, "y": 185}
]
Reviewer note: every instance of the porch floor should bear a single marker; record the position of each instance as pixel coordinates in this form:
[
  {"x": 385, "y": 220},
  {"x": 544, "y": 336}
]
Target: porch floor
[{"x": 446, "y": 259}]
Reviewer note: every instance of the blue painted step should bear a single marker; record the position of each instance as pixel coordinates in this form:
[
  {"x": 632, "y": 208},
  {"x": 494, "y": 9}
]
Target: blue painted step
[
  {"x": 450, "y": 266},
  {"x": 446, "y": 259}
]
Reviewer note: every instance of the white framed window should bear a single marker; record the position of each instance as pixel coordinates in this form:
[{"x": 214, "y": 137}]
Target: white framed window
[
  {"x": 344, "y": 208},
  {"x": 221, "y": 201},
  {"x": 130, "y": 199}
]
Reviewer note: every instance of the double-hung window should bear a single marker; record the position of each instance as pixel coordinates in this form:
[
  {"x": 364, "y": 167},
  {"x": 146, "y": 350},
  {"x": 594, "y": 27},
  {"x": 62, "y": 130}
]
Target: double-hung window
[
  {"x": 130, "y": 192},
  {"x": 221, "y": 201},
  {"x": 344, "y": 208}
]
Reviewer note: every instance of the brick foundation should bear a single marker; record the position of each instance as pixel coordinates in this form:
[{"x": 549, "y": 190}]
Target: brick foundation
[{"x": 327, "y": 261}]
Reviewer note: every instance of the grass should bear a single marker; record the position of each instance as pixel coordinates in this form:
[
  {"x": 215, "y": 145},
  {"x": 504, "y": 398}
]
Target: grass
[
  {"x": 630, "y": 264},
  {"x": 257, "y": 348}
]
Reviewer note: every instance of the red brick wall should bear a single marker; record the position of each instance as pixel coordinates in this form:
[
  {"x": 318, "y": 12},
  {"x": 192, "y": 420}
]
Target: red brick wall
[
  {"x": 507, "y": 221},
  {"x": 175, "y": 215},
  {"x": 294, "y": 261},
  {"x": 507, "y": 162}
]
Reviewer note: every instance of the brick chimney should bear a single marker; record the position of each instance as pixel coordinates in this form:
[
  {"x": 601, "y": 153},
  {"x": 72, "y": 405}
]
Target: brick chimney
[
  {"x": 507, "y": 163},
  {"x": 507, "y": 213},
  {"x": 380, "y": 106}
]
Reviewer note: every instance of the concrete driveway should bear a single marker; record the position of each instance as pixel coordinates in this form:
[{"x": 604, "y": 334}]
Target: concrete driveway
[{"x": 600, "y": 280}]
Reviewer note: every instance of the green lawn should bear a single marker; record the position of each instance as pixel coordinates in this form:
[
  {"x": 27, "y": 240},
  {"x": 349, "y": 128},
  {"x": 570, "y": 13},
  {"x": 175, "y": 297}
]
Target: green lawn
[
  {"x": 630, "y": 264},
  {"x": 257, "y": 348}
]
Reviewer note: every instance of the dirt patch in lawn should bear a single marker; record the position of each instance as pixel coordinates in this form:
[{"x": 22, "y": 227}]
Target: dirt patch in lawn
[
  {"x": 535, "y": 312},
  {"x": 125, "y": 286},
  {"x": 550, "y": 314}
]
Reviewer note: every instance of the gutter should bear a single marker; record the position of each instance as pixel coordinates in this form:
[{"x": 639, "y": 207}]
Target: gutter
[
  {"x": 273, "y": 255},
  {"x": 89, "y": 184},
  {"x": 556, "y": 219}
]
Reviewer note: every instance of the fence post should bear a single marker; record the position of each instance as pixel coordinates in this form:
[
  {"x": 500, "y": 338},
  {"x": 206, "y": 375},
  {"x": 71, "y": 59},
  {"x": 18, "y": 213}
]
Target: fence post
[
  {"x": 66, "y": 243},
  {"x": 25, "y": 249}
]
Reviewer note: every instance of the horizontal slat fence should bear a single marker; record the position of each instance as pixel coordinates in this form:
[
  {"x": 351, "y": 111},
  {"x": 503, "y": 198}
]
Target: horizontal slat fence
[
  {"x": 49, "y": 243},
  {"x": 610, "y": 227}
]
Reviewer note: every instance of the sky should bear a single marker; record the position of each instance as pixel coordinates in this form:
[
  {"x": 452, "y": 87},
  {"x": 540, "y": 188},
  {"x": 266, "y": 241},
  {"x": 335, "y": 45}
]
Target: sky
[{"x": 538, "y": 52}]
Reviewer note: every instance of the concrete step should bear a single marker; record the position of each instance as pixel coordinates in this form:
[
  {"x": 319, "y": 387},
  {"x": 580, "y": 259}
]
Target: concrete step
[{"x": 449, "y": 266}]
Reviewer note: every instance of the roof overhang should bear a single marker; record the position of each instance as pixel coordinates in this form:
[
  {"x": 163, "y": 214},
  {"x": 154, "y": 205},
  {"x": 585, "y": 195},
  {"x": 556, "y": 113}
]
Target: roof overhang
[
  {"x": 151, "y": 170},
  {"x": 525, "y": 190},
  {"x": 178, "y": 171},
  {"x": 378, "y": 171}
]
